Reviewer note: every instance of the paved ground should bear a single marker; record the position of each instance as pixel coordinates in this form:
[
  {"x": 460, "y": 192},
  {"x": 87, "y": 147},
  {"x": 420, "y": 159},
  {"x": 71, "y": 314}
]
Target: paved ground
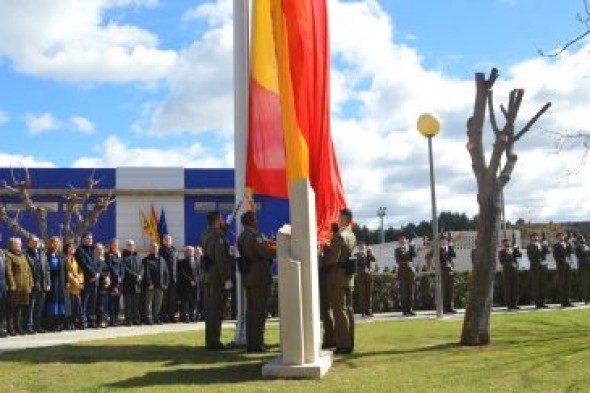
[{"x": 53, "y": 339}]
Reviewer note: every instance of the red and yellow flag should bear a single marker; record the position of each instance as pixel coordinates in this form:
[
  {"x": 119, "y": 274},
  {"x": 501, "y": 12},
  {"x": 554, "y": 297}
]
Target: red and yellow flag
[{"x": 289, "y": 132}]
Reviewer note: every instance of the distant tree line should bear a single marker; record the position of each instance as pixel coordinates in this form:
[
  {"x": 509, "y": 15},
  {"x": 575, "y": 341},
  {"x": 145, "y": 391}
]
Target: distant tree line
[{"x": 447, "y": 221}]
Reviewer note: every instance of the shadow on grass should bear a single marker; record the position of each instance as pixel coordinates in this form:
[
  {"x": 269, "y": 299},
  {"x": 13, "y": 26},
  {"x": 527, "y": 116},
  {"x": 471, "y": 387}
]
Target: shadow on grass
[
  {"x": 235, "y": 373},
  {"x": 169, "y": 355},
  {"x": 431, "y": 348}
]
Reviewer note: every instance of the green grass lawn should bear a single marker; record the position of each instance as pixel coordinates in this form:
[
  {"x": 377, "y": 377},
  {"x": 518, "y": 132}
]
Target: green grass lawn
[{"x": 535, "y": 352}]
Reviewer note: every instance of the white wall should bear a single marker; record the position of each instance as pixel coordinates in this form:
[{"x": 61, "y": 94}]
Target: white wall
[{"x": 129, "y": 225}]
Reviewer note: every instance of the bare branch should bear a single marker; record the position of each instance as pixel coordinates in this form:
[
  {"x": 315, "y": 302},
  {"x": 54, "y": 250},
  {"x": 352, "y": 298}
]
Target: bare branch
[
  {"x": 504, "y": 111},
  {"x": 13, "y": 224},
  {"x": 531, "y": 122},
  {"x": 492, "y": 113},
  {"x": 508, "y": 168},
  {"x": 100, "y": 207},
  {"x": 566, "y": 46}
]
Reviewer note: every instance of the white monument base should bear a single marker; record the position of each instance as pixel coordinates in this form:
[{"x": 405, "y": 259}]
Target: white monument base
[
  {"x": 277, "y": 369},
  {"x": 299, "y": 306}
]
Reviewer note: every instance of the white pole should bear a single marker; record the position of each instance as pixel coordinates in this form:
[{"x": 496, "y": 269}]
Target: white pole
[{"x": 241, "y": 79}]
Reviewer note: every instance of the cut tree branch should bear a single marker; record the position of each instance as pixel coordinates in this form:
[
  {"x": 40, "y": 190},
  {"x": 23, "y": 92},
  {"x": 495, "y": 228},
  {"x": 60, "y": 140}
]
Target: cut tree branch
[{"x": 531, "y": 122}]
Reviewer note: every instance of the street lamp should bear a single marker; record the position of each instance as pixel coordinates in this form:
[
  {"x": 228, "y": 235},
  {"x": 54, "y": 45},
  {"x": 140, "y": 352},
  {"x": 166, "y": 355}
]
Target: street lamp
[
  {"x": 429, "y": 127},
  {"x": 381, "y": 212}
]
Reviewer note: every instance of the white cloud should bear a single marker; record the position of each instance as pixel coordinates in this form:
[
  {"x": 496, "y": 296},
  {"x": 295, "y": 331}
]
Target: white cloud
[
  {"x": 37, "y": 124},
  {"x": 383, "y": 159},
  {"x": 72, "y": 41},
  {"x": 115, "y": 153},
  {"x": 201, "y": 83},
  {"x": 82, "y": 124},
  {"x": 14, "y": 160},
  {"x": 3, "y": 117}
]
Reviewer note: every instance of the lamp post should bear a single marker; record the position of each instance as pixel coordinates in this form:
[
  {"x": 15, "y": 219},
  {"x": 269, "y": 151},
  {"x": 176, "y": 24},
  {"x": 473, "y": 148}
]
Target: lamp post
[
  {"x": 381, "y": 212},
  {"x": 429, "y": 127}
]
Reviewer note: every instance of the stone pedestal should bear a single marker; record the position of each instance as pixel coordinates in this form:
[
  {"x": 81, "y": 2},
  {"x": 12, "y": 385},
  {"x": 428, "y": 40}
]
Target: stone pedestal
[{"x": 299, "y": 310}]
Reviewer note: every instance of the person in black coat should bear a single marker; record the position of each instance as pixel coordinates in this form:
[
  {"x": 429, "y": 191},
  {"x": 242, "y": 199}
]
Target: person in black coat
[
  {"x": 85, "y": 258},
  {"x": 508, "y": 258},
  {"x": 104, "y": 283},
  {"x": 117, "y": 272},
  {"x": 562, "y": 253},
  {"x": 170, "y": 301},
  {"x": 41, "y": 285},
  {"x": 188, "y": 284},
  {"x": 132, "y": 280},
  {"x": 155, "y": 283},
  {"x": 447, "y": 254},
  {"x": 57, "y": 301},
  {"x": 3, "y": 294}
]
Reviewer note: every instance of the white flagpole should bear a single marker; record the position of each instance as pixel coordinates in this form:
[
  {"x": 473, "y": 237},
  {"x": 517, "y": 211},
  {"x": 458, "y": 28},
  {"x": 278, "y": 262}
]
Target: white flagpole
[{"x": 241, "y": 79}]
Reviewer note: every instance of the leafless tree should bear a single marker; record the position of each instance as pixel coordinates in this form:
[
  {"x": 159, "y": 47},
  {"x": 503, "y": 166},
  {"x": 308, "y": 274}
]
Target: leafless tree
[
  {"x": 75, "y": 201},
  {"x": 491, "y": 178},
  {"x": 584, "y": 19}
]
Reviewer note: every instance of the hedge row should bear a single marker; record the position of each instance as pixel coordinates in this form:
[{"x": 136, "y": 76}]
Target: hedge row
[{"x": 386, "y": 291}]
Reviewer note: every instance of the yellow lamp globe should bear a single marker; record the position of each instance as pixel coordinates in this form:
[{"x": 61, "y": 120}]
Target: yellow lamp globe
[{"x": 428, "y": 125}]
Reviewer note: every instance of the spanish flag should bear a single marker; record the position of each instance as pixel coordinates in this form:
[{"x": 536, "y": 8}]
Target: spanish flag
[{"x": 289, "y": 115}]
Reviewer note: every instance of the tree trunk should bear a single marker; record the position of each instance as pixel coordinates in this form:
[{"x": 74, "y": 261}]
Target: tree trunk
[{"x": 476, "y": 326}]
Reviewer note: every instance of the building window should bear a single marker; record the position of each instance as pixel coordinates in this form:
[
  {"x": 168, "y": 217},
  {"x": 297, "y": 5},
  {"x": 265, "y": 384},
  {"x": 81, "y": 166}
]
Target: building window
[{"x": 205, "y": 207}]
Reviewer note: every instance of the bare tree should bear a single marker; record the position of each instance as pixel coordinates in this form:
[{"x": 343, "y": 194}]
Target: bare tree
[
  {"x": 584, "y": 19},
  {"x": 73, "y": 208},
  {"x": 22, "y": 188},
  {"x": 569, "y": 140},
  {"x": 491, "y": 178}
]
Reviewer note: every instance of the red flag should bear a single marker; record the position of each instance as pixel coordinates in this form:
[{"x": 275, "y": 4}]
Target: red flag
[{"x": 289, "y": 131}]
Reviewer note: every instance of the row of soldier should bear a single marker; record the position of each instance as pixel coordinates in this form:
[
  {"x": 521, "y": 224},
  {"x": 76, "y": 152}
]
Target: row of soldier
[
  {"x": 508, "y": 259},
  {"x": 75, "y": 287}
]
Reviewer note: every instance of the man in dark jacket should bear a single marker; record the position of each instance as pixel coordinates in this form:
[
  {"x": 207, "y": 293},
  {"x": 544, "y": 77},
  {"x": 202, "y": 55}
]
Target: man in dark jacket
[
  {"x": 583, "y": 255},
  {"x": 155, "y": 282},
  {"x": 170, "y": 301},
  {"x": 562, "y": 253},
  {"x": 188, "y": 284},
  {"x": 132, "y": 280},
  {"x": 85, "y": 258},
  {"x": 537, "y": 254},
  {"x": 3, "y": 294},
  {"x": 258, "y": 256},
  {"x": 217, "y": 264},
  {"x": 406, "y": 274},
  {"x": 41, "y": 285},
  {"x": 447, "y": 254},
  {"x": 508, "y": 258}
]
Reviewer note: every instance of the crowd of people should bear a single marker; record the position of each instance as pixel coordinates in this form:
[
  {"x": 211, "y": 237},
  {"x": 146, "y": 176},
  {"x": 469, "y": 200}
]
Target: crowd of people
[{"x": 68, "y": 287}]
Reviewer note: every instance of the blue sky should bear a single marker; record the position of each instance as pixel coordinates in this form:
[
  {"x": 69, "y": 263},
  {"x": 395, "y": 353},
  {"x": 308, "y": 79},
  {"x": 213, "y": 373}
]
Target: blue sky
[{"x": 157, "y": 87}]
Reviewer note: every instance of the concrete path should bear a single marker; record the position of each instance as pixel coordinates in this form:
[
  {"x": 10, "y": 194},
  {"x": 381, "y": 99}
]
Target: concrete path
[{"x": 18, "y": 343}]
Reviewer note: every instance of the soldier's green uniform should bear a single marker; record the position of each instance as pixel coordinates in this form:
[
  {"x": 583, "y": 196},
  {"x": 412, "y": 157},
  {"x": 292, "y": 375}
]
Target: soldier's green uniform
[
  {"x": 508, "y": 259},
  {"x": 258, "y": 281},
  {"x": 328, "y": 340},
  {"x": 537, "y": 255},
  {"x": 583, "y": 255},
  {"x": 340, "y": 287},
  {"x": 364, "y": 282},
  {"x": 561, "y": 252},
  {"x": 406, "y": 276},
  {"x": 447, "y": 254},
  {"x": 216, "y": 249}
]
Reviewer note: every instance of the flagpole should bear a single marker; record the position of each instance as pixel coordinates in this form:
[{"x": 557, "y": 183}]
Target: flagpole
[{"x": 241, "y": 78}]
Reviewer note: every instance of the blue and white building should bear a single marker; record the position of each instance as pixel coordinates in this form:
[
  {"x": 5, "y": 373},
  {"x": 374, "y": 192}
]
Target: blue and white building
[{"x": 185, "y": 195}]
